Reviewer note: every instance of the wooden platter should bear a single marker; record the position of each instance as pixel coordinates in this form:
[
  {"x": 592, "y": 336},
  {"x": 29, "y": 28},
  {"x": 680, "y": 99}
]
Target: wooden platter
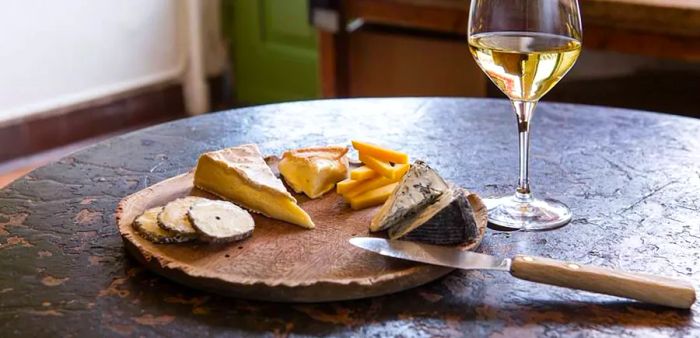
[{"x": 280, "y": 262}]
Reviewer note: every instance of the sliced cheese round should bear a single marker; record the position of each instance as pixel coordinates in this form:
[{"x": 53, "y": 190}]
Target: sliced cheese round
[
  {"x": 174, "y": 215},
  {"x": 220, "y": 221},
  {"x": 146, "y": 225}
]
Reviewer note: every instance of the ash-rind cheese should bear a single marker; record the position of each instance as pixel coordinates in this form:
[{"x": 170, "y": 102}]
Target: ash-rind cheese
[
  {"x": 174, "y": 216},
  {"x": 425, "y": 208},
  {"x": 146, "y": 225},
  {"x": 420, "y": 187},
  {"x": 220, "y": 221},
  {"x": 448, "y": 221}
]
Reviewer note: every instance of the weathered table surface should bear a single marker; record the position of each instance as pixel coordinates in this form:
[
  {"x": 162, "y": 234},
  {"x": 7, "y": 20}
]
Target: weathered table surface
[{"x": 631, "y": 178}]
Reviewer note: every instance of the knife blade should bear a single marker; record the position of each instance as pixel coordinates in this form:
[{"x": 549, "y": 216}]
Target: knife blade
[
  {"x": 432, "y": 254},
  {"x": 643, "y": 287}
]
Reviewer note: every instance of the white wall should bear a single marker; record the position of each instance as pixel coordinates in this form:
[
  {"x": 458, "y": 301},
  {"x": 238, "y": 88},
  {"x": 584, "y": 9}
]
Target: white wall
[{"x": 60, "y": 53}]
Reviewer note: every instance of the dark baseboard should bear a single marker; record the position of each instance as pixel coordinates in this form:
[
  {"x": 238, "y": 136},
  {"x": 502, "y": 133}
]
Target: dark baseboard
[{"x": 48, "y": 130}]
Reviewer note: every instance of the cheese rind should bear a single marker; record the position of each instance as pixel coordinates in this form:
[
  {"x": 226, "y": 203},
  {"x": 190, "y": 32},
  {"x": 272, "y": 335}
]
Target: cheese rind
[
  {"x": 373, "y": 197},
  {"x": 314, "y": 171},
  {"x": 380, "y": 153},
  {"x": 147, "y": 226},
  {"x": 174, "y": 216},
  {"x": 241, "y": 175},
  {"x": 220, "y": 221},
  {"x": 362, "y": 173},
  {"x": 448, "y": 221},
  {"x": 420, "y": 187}
]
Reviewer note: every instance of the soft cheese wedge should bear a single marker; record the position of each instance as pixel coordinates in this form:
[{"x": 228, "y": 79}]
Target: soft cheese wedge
[
  {"x": 314, "y": 171},
  {"x": 241, "y": 175},
  {"x": 420, "y": 187}
]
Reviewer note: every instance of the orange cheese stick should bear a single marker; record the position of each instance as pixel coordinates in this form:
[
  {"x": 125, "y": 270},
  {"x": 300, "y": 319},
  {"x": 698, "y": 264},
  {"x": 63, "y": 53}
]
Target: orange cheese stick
[
  {"x": 400, "y": 170},
  {"x": 384, "y": 168},
  {"x": 367, "y": 185},
  {"x": 346, "y": 185},
  {"x": 373, "y": 197},
  {"x": 362, "y": 173},
  {"x": 380, "y": 153}
]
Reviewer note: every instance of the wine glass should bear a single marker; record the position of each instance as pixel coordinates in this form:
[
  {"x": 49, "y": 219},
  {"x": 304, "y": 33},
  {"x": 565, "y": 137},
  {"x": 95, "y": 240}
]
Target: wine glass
[{"x": 525, "y": 47}]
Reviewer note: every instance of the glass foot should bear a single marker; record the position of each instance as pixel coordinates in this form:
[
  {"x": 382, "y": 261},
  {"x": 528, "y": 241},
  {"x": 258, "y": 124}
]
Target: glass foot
[{"x": 528, "y": 214}]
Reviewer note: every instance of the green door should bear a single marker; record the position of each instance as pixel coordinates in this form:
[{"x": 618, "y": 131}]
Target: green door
[{"x": 273, "y": 50}]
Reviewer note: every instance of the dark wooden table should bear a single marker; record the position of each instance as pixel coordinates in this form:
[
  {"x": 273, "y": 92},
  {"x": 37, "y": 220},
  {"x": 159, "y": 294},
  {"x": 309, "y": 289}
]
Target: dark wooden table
[{"x": 631, "y": 178}]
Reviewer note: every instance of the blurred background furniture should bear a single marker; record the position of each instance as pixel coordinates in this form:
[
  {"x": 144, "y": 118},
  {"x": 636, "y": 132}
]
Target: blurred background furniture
[
  {"x": 642, "y": 54},
  {"x": 66, "y": 84}
]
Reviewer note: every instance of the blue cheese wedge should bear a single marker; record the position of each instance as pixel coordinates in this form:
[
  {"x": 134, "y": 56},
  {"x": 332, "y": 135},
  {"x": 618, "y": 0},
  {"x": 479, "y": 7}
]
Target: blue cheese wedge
[
  {"x": 448, "y": 221},
  {"x": 420, "y": 187}
]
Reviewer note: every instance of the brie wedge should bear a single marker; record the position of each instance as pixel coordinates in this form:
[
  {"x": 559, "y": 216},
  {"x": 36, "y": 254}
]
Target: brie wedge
[
  {"x": 314, "y": 171},
  {"x": 241, "y": 175}
]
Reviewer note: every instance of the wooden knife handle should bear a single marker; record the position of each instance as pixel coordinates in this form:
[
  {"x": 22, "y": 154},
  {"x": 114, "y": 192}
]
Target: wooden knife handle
[{"x": 646, "y": 288}]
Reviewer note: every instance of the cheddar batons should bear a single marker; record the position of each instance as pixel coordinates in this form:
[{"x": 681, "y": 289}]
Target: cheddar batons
[
  {"x": 372, "y": 183},
  {"x": 385, "y": 169},
  {"x": 382, "y": 154},
  {"x": 372, "y": 197},
  {"x": 362, "y": 173}
]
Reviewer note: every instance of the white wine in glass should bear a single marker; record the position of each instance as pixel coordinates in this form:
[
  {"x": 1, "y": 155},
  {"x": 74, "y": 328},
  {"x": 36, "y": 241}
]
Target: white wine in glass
[{"x": 525, "y": 47}]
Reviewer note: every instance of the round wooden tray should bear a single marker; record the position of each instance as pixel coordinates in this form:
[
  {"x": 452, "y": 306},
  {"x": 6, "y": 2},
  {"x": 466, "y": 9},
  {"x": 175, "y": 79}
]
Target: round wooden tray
[{"x": 281, "y": 261}]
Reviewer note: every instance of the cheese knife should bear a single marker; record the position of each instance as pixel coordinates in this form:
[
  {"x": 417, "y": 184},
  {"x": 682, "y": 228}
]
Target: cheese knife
[{"x": 642, "y": 287}]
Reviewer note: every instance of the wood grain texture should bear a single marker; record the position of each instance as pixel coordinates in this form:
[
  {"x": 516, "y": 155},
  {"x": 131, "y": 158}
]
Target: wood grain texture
[
  {"x": 281, "y": 261},
  {"x": 647, "y": 288}
]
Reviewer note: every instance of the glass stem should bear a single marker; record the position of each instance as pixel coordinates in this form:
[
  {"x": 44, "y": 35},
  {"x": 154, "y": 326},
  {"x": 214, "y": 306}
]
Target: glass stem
[{"x": 524, "y": 111}]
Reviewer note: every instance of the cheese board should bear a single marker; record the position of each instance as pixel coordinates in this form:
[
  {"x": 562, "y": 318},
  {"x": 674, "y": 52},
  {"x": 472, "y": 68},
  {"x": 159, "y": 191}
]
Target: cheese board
[
  {"x": 303, "y": 255},
  {"x": 279, "y": 262}
]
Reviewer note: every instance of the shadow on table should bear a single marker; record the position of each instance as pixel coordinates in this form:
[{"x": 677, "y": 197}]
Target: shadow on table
[
  {"x": 425, "y": 309},
  {"x": 622, "y": 313}
]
